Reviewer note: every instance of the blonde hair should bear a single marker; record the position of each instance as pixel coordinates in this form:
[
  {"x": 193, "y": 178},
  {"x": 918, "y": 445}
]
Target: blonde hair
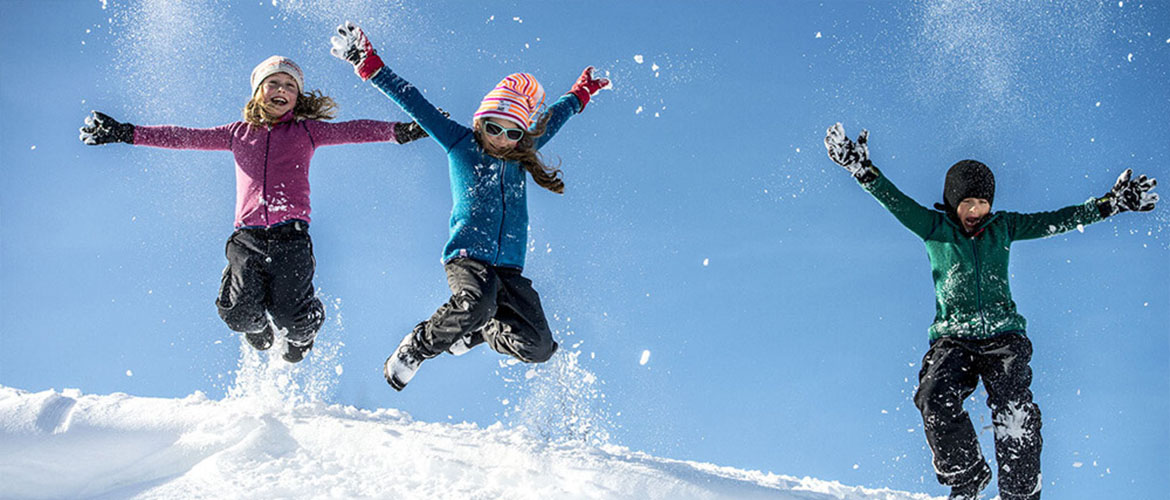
[
  {"x": 311, "y": 106},
  {"x": 525, "y": 152}
]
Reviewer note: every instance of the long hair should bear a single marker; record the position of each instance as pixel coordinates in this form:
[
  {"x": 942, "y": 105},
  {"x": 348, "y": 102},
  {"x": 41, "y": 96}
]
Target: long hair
[
  {"x": 525, "y": 153},
  {"x": 311, "y": 106}
]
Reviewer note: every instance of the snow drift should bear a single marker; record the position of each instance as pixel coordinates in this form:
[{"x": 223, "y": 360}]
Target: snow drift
[{"x": 64, "y": 444}]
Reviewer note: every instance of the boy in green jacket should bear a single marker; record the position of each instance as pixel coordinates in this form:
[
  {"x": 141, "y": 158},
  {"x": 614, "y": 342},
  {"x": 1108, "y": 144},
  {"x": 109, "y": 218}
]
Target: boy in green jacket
[{"x": 977, "y": 331}]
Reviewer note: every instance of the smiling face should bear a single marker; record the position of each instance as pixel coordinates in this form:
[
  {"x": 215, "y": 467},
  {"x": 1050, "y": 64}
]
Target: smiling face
[
  {"x": 278, "y": 93},
  {"x": 972, "y": 211},
  {"x": 499, "y": 143}
]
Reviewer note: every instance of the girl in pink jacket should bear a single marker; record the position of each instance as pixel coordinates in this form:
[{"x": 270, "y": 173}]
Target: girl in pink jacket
[{"x": 268, "y": 282}]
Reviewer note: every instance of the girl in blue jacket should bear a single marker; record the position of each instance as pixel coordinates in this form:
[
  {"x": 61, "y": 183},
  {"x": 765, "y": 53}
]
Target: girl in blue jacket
[{"x": 490, "y": 300}]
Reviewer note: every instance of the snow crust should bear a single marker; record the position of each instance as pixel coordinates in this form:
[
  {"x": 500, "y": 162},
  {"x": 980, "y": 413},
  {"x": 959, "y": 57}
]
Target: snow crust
[{"x": 65, "y": 444}]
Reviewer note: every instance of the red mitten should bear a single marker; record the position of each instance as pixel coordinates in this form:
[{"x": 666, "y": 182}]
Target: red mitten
[
  {"x": 587, "y": 85},
  {"x": 352, "y": 45}
]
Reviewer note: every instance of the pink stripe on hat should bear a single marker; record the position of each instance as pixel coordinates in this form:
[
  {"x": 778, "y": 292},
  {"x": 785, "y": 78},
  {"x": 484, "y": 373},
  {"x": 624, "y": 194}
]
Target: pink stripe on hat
[{"x": 518, "y": 98}]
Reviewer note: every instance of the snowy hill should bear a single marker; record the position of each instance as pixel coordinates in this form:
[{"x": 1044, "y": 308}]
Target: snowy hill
[{"x": 64, "y": 444}]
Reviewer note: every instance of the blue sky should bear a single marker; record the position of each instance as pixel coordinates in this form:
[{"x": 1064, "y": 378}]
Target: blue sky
[{"x": 784, "y": 310}]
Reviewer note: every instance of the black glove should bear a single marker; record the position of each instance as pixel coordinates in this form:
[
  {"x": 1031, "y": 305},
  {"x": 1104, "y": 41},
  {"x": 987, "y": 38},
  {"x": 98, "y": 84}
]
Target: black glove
[
  {"x": 411, "y": 131},
  {"x": 1128, "y": 195},
  {"x": 853, "y": 156},
  {"x": 101, "y": 129}
]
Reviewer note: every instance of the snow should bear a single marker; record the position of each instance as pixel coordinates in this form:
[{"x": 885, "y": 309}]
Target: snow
[
  {"x": 645, "y": 357},
  {"x": 65, "y": 444}
]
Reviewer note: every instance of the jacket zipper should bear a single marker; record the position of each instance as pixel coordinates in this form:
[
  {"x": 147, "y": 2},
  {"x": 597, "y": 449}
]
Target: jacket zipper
[
  {"x": 503, "y": 213},
  {"x": 264, "y": 187},
  {"x": 978, "y": 286}
]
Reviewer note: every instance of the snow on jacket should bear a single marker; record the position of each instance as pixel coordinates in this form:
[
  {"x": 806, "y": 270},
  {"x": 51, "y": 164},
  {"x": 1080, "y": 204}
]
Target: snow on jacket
[
  {"x": 489, "y": 216},
  {"x": 972, "y": 295},
  {"x": 272, "y": 163}
]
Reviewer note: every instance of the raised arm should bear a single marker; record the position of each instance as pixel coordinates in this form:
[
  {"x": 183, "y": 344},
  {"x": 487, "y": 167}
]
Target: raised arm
[
  {"x": 854, "y": 157},
  {"x": 571, "y": 103},
  {"x": 1127, "y": 195},
  {"x": 352, "y": 45}
]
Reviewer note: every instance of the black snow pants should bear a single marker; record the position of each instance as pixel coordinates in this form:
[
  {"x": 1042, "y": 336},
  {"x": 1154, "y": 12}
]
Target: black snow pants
[
  {"x": 271, "y": 270},
  {"x": 950, "y": 371},
  {"x": 495, "y": 303}
]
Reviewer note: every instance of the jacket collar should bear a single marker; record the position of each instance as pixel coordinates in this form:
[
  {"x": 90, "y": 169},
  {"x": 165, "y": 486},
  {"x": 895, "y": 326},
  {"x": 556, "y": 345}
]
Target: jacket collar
[{"x": 978, "y": 229}]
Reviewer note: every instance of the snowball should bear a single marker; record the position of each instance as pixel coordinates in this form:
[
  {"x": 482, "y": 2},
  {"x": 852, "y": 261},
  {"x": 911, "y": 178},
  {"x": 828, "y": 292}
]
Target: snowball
[
  {"x": 638, "y": 58},
  {"x": 818, "y": 34},
  {"x": 129, "y": 373},
  {"x": 706, "y": 262},
  {"x": 645, "y": 357}
]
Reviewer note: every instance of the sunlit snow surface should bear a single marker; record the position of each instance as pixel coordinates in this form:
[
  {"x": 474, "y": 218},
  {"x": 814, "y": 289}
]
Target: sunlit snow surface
[{"x": 64, "y": 444}]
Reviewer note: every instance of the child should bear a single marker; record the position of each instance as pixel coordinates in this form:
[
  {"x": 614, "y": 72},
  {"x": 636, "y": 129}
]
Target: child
[
  {"x": 490, "y": 300},
  {"x": 977, "y": 331},
  {"x": 270, "y": 255}
]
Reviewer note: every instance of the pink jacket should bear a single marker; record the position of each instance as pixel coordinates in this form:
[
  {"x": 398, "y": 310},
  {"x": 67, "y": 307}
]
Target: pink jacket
[{"x": 272, "y": 163}]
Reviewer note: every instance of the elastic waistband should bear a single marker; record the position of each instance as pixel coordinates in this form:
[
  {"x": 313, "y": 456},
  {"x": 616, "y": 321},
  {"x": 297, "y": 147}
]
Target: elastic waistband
[
  {"x": 996, "y": 335},
  {"x": 287, "y": 227}
]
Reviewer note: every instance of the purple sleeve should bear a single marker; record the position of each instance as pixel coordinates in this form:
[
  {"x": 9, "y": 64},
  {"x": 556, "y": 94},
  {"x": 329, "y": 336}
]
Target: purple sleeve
[
  {"x": 172, "y": 137},
  {"x": 350, "y": 132}
]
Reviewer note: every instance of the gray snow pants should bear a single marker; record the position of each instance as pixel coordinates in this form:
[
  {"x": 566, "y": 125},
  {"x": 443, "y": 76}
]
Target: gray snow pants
[
  {"x": 497, "y": 306},
  {"x": 950, "y": 371},
  {"x": 271, "y": 270}
]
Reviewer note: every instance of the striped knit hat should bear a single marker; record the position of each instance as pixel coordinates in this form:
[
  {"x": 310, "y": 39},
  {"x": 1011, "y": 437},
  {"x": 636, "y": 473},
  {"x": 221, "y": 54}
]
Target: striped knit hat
[
  {"x": 274, "y": 65},
  {"x": 518, "y": 98}
]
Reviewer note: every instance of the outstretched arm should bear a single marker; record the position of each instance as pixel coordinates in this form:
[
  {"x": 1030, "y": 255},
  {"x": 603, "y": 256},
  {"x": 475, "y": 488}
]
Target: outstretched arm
[
  {"x": 361, "y": 131},
  {"x": 101, "y": 129},
  {"x": 571, "y": 103},
  {"x": 1126, "y": 195},
  {"x": 351, "y": 44},
  {"x": 855, "y": 158}
]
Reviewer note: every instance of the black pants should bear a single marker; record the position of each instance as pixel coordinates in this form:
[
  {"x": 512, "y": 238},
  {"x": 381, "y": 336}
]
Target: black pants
[
  {"x": 271, "y": 270},
  {"x": 950, "y": 371},
  {"x": 496, "y": 301}
]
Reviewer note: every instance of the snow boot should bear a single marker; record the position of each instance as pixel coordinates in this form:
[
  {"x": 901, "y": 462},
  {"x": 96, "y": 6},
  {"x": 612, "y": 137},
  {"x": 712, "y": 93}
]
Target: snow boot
[
  {"x": 401, "y": 366},
  {"x": 971, "y": 490},
  {"x": 296, "y": 352},
  {"x": 262, "y": 339},
  {"x": 467, "y": 342}
]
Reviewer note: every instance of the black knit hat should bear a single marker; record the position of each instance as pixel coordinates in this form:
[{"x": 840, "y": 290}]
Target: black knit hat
[{"x": 967, "y": 179}]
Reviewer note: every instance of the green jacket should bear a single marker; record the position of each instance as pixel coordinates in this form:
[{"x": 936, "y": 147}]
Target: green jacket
[{"x": 972, "y": 295}]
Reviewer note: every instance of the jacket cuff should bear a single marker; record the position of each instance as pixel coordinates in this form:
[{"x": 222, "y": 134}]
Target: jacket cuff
[{"x": 867, "y": 174}]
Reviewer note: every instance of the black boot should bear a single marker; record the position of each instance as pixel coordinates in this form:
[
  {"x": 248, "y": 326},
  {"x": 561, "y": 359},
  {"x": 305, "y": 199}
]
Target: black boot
[
  {"x": 971, "y": 490},
  {"x": 296, "y": 352},
  {"x": 401, "y": 366},
  {"x": 262, "y": 339}
]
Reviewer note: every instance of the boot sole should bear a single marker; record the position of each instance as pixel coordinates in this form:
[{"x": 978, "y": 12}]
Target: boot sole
[{"x": 398, "y": 385}]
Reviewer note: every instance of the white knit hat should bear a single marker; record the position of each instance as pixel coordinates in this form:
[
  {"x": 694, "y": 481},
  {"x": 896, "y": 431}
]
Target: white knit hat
[{"x": 274, "y": 65}]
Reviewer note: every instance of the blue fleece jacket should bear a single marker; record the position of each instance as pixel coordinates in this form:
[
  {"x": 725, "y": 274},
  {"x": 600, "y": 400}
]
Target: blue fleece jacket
[{"x": 489, "y": 216}]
